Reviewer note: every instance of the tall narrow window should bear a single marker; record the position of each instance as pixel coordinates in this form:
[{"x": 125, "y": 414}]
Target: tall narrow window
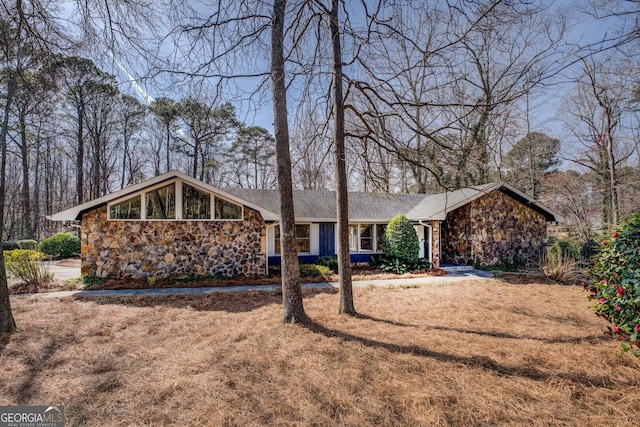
[
  {"x": 303, "y": 239},
  {"x": 380, "y": 230},
  {"x": 196, "y": 204},
  {"x": 161, "y": 203},
  {"x": 353, "y": 238},
  {"x": 127, "y": 209},
  {"x": 227, "y": 210},
  {"x": 366, "y": 237}
]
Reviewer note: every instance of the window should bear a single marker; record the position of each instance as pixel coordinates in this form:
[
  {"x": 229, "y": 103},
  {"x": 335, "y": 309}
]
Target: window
[
  {"x": 161, "y": 203},
  {"x": 353, "y": 238},
  {"x": 227, "y": 210},
  {"x": 366, "y": 237},
  {"x": 380, "y": 230},
  {"x": 177, "y": 200},
  {"x": 303, "y": 238},
  {"x": 196, "y": 204},
  {"x": 127, "y": 209}
]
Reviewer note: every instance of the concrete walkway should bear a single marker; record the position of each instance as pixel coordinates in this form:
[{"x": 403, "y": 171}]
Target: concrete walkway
[{"x": 416, "y": 281}]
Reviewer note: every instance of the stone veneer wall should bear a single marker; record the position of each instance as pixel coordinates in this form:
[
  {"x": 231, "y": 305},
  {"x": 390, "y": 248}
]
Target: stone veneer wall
[
  {"x": 136, "y": 249},
  {"x": 493, "y": 229}
]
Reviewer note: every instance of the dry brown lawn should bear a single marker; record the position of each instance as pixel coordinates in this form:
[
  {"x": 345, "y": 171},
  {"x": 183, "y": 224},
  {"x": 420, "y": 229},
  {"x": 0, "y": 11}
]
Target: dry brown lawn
[{"x": 474, "y": 353}]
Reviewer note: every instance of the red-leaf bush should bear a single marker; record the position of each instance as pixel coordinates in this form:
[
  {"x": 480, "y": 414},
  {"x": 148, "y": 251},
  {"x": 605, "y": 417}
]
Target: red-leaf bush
[{"x": 614, "y": 283}]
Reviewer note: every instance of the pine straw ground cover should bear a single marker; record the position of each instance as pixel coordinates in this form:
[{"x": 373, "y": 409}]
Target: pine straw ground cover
[{"x": 474, "y": 353}]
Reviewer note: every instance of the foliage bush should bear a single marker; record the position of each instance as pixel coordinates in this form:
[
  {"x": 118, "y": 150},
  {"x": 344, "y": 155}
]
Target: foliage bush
[
  {"x": 614, "y": 283},
  {"x": 28, "y": 244},
  {"x": 61, "y": 245},
  {"x": 329, "y": 261},
  {"x": 400, "y": 240},
  {"x": 26, "y": 265},
  {"x": 563, "y": 249},
  {"x": 10, "y": 245},
  {"x": 315, "y": 271},
  {"x": 589, "y": 249},
  {"x": 392, "y": 264}
]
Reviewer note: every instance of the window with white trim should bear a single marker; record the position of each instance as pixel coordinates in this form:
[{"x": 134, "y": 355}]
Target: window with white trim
[
  {"x": 127, "y": 209},
  {"x": 303, "y": 239},
  {"x": 175, "y": 201},
  {"x": 196, "y": 204},
  {"x": 366, "y": 237},
  {"x": 227, "y": 210},
  {"x": 161, "y": 202}
]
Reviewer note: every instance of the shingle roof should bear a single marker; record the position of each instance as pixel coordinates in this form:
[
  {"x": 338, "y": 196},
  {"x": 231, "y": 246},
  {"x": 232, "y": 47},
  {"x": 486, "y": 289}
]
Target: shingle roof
[
  {"x": 437, "y": 206},
  {"x": 320, "y": 205}
]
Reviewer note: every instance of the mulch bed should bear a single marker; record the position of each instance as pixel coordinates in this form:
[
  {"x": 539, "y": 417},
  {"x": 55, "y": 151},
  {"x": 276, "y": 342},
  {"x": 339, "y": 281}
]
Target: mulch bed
[{"x": 359, "y": 273}]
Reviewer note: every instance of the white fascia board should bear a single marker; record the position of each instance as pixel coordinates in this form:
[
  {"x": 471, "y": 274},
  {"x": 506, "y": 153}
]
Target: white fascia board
[{"x": 73, "y": 213}]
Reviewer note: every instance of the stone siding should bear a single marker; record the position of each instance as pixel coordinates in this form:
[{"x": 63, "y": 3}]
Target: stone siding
[
  {"x": 493, "y": 229},
  {"x": 137, "y": 249}
]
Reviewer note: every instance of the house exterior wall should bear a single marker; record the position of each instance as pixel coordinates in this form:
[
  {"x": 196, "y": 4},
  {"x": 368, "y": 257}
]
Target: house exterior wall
[
  {"x": 493, "y": 229},
  {"x": 123, "y": 249}
]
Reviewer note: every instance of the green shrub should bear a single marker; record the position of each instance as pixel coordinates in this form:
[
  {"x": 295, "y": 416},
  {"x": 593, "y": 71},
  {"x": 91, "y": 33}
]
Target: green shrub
[
  {"x": 329, "y": 261},
  {"x": 28, "y": 244},
  {"x": 392, "y": 264},
  {"x": 61, "y": 245},
  {"x": 315, "y": 271},
  {"x": 401, "y": 240},
  {"x": 614, "y": 283},
  {"x": 26, "y": 265},
  {"x": 10, "y": 245},
  {"x": 563, "y": 249},
  {"x": 589, "y": 249}
]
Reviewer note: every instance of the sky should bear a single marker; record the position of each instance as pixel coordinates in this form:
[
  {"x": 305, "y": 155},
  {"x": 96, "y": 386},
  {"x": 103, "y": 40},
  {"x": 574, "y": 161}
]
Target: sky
[{"x": 546, "y": 105}]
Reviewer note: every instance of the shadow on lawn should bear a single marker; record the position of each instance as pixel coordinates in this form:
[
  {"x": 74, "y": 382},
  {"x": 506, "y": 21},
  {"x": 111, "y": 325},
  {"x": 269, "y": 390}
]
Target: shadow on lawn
[
  {"x": 230, "y": 302},
  {"x": 475, "y": 362}
]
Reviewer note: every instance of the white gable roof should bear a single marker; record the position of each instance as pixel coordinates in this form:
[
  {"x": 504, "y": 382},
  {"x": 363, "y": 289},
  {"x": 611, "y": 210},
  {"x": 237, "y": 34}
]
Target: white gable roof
[
  {"x": 437, "y": 206},
  {"x": 75, "y": 213}
]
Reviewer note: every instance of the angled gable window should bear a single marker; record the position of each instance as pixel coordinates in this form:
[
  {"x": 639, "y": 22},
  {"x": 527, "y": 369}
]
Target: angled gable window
[
  {"x": 227, "y": 210},
  {"x": 161, "y": 202},
  {"x": 196, "y": 204},
  {"x": 127, "y": 209},
  {"x": 178, "y": 200}
]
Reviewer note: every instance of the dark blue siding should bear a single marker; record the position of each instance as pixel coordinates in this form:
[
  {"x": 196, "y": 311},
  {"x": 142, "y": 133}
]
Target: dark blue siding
[
  {"x": 327, "y": 239},
  {"x": 310, "y": 259}
]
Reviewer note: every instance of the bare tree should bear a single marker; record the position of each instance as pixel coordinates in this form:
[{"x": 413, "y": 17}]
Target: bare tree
[
  {"x": 293, "y": 309},
  {"x": 166, "y": 110},
  {"x": 598, "y": 116}
]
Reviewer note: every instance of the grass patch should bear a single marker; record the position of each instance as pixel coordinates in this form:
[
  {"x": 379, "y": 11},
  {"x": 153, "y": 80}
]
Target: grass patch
[{"x": 464, "y": 353}]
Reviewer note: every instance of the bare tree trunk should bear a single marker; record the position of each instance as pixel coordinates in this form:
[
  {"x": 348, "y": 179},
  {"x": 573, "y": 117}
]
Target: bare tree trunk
[
  {"x": 168, "y": 147},
  {"x": 80, "y": 156},
  {"x": 27, "y": 225},
  {"x": 293, "y": 309},
  {"x": 7, "y": 324},
  {"x": 344, "y": 259}
]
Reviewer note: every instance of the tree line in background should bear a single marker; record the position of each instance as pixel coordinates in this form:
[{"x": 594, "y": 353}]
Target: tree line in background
[
  {"x": 435, "y": 99},
  {"x": 73, "y": 137}
]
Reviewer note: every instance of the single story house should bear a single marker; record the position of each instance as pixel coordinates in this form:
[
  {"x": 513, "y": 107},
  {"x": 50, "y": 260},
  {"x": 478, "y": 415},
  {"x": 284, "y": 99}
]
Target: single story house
[{"x": 174, "y": 224}]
